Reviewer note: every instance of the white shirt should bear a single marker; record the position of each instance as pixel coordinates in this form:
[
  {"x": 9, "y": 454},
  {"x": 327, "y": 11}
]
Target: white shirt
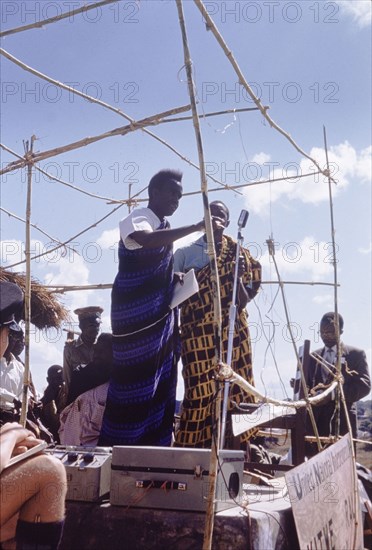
[
  {"x": 141, "y": 219},
  {"x": 11, "y": 381},
  {"x": 329, "y": 355}
]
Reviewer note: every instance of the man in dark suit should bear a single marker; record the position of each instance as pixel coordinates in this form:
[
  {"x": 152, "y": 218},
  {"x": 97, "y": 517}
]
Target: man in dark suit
[{"x": 354, "y": 369}]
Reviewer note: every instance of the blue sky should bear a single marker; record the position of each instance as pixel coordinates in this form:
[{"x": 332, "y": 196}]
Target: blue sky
[{"x": 309, "y": 62}]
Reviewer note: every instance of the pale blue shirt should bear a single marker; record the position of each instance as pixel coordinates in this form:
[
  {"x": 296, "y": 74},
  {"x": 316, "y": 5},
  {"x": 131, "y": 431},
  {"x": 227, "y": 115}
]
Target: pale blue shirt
[{"x": 193, "y": 256}]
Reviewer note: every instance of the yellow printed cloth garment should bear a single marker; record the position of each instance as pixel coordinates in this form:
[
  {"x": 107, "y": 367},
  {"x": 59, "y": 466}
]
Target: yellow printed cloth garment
[{"x": 198, "y": 350}]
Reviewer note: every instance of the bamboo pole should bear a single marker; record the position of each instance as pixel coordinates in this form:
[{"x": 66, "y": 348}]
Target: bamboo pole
[
  {"x": 35, "y": 227},
  {"x": 355, "y": 478},
  {"x": 311, "y": 283},
  {"x": 29, "y": 146},
  {"x": 102, "y": 104},
  {"x": 334, "y": 264},
  {"x": 104, "y": 286},
  {"x": 213, "y": 466},
  {"x": 214, "y": 113},
  {"x": 121, "y": 131},
  {"x": 229, "y": 187},
  {"x": 230, "y": 56},
  {"x": 74, "y": 187},
  {"x": 67, "y": 184},
  {"x": 68, "y": 14},
  {"x": 70, "y": 239},
  {"x": 226, "y": 373},
  {"x": 332, "y": 439},
  {"x": 96, "y": 101},
  {"x": 340, "y": 395},
  {"x": 71, "y": 288},
  {"x": 224, "y": 187},
  {"x": 299, "y": 362}
]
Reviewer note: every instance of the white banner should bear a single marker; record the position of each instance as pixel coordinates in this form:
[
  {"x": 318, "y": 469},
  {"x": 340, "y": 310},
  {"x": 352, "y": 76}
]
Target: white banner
[{"x": 325, "y": 500}]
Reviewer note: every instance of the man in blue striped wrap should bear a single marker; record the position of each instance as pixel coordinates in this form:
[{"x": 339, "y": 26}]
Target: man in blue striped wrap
[{"x": 142, "y": 390}]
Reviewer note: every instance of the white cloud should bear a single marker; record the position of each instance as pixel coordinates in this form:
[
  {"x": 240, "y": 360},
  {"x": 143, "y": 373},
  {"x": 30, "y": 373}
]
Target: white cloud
[
  {"x": 364, "y": 165},
  {"x": 366, "y": 250},
  {"x": 70, "y": 271},
  {"x": 308, "y": 257},
  {"x": 108, "y": 238},
  {"x": 345, "y": 164},
  {"x": 324, "y": 300},
  {"x": 260, "y": 158},
  {"x": 360, "y": 10}
]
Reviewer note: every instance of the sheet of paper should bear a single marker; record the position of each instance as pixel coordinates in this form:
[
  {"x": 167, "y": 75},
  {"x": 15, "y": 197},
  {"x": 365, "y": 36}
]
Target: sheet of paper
[
  {"x": 264, "y": 413},
  {"x": 183, "y": 291},
  {"x": 30, "y": 452}
]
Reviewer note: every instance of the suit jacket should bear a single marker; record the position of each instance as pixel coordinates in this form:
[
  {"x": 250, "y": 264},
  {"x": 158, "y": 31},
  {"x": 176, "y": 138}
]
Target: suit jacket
[{"x": 357, "y": 384}]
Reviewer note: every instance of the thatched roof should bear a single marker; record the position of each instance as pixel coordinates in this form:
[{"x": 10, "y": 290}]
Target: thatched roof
[{"x": 46, "y": 309}]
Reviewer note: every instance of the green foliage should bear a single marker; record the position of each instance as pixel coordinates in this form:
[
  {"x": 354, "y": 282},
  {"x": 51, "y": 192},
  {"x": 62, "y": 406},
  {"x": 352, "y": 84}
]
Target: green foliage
[{"x": 364, "y": 412}]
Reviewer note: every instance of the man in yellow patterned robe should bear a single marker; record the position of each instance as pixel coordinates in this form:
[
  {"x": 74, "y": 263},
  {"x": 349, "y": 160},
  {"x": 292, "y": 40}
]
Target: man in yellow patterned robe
[{"x": 197, "y": 420}]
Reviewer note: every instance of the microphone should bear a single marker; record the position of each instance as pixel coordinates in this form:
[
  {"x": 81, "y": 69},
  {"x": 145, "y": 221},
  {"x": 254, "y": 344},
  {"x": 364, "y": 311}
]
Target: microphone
[{"x": 243, "y": 218}]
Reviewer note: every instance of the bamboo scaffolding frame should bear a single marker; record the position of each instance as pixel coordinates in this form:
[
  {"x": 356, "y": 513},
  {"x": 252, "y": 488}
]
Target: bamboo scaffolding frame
[
  {"x": 11, "y": 151},
  {"x": 229, "y": 187},
  {"x": 271, "y": 248},
  {"x": 70, "y": 239},
  {"x": 214, "y": 113},
  {"x": 188, "y": 194},
  {"x": 334, "y": 263},
  {"x": 28, "y": 162},
  {"x": 217, "y": 314},
  {"x": 104, "y": 286},
  {"x": 252, "y": 183},
  {"x": 72, "y": 288},
  {"x": 311, "y": 283},
  {"x": 332, "y": 439},
  {"x": 121, "y": 131},
  {"x": 64, "y": 15},
  {"x": 67, "y": 184},
  {"x": 74, "y": 187},
  {"x": 226, "y": 373},
  {"x": 355, "y": 478},
  {"x": 10, "y": 214},
  {"x": 102, "y": 104},
  {"x": 29, "y": 146},
  {"x": 212, "y": 27},
  {"x": 320, "y": 360}
]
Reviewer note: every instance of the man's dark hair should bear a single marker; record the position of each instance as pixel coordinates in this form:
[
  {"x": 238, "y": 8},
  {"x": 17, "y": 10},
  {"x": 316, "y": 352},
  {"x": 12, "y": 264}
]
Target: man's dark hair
[
  {"x": 329, "y": 318},
  {"x": 54, "y": 369},
  {"x": 220, "y": 203},
  {"x": 158, "y": 180}
]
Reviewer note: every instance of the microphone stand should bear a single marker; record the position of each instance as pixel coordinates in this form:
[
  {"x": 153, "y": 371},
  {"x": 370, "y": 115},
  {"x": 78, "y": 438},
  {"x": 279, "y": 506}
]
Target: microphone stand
[{"x": 232, "y": 315}]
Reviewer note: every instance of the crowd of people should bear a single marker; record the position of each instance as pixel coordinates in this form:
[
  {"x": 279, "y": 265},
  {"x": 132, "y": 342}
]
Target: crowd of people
[
  {"x": 120, "y": 388},
  {"x": 27, "y": 503}
]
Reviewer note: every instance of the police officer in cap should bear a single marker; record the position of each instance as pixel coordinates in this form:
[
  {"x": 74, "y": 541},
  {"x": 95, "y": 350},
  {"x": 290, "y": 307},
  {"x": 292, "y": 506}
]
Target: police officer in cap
[
  {"x": 25, "y": 487},
  {"x": 80, "y": 352},
  {"x": 11, "y": 380}
]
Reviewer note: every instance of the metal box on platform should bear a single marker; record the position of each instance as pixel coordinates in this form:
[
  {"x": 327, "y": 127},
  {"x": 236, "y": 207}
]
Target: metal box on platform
[
  {"x": 88, "y": 471},
  {"x": 173, "y": 478}
]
